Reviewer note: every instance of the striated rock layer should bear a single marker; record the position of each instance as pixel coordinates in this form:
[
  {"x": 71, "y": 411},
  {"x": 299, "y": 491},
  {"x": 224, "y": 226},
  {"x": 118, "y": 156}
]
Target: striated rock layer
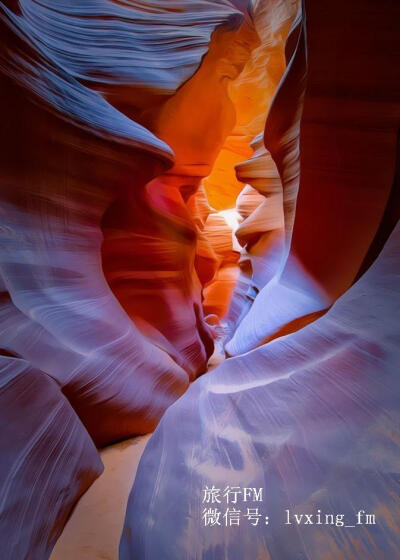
[
  {"x": 308, "y": 417},
  {"x": 311, "y": 416},
  {"x": 261, "y": 233},
  {"x": 119, "y": 119},
  {"x": 47, "y": 460},
  {"x": 74, "y": 164},
  {"x": 251, "y": 95},
  {"x": 90, "y": 95},
  {"x": 332, "y": 132},
  {"x": 151, "y": 236}
]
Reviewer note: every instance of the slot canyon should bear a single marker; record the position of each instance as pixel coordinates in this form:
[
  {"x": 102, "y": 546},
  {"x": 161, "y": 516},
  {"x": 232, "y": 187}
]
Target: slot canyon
[{"x": 199, "y": 276}]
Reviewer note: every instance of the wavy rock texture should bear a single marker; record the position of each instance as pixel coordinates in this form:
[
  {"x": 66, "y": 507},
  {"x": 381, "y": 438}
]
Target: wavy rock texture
[
  {"x": 52, "y": 271},
  {"x": 74, "y": 163},
  {"x": 157, "y": 284},
  {"x": 308, "y": 417},
  {"x": 89, "y": 108},
  {"x": 251, "y": 94},
  {"x": 344, "y": 125},
  {"x": 261, "y": 233},
  {"x": 47, "y": 460},
  {"x": 206, "y": 259},
  {"x": 119, "y": 119},
  {"x": 281, "y": 137}
]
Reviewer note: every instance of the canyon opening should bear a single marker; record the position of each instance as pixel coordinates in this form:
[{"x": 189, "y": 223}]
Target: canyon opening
[{"x": 199, "y": 269}]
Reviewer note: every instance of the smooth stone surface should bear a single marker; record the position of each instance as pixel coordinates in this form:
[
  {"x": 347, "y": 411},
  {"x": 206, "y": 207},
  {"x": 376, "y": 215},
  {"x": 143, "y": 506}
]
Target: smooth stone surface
[{"x": 94, "y": 528}]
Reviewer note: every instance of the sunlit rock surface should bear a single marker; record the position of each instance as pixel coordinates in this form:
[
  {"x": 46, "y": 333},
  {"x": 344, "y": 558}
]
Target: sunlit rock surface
[
  {"x": 80, "y": 174},
  {"x": 332, "y": 132},
  {"x": 119, "y": 119},
  {"x": 86, "y": 101},
  {"x": 308, "y": 417},
  {"x": 261, "y": 232},
  {"x": 251, "y": 95},
  {"x": 150, "y": 239},
  {"x": 219, "y": 229}
]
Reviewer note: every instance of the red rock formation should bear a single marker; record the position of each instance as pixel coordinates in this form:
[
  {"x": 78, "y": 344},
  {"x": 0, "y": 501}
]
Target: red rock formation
[
  {"x": 309, "y": 418},
  {"x": 261, "y": 232},
  {"x": 113, "y": 114},
  {"x": 321, "y": 153},
  {"x": 349, "y": 124},
  {"x": 219, "y": 229},
  {"x": 69, "y": 156},
  {"x": 51, "y": 268},
  {"x": 157, "y": 283},
  {"x": 71, "y": 161},
  {"x": 251, "y": 94}
]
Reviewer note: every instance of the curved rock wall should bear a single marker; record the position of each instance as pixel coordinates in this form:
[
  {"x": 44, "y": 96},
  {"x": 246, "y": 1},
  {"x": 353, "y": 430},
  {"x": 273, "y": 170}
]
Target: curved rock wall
[
  {"x": 251, "y": 94},
  {"x": 309, "y": 416},
  {"x": 47, "y": 460},
  {"x": 74, "y": 163},
  {"x": 324, "y": 121},
  {"x": 151, "y": 238},
  {"x": 121, "y": 126},
  {"x": 261, "y": 233},
  {"x": 78, "y": 100}
]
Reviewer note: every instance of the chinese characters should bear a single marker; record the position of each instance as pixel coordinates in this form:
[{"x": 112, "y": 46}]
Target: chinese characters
[{"x": 226, "y": 511}]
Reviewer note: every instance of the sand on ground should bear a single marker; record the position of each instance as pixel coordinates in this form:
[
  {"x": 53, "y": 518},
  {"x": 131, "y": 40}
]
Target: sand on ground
[{"x": 94, "y": 528}]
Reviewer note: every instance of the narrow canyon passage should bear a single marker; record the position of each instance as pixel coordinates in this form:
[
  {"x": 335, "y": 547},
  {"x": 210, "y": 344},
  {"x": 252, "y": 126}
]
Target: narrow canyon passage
[
  {"x": 95, "y": 527},
  {"x": 199, "y": 272}
]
